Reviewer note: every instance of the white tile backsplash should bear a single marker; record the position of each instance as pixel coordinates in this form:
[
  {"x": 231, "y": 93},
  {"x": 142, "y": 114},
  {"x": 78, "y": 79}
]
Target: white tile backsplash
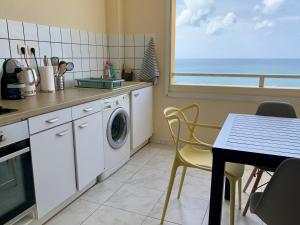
[
  {"x": 139, "y": 52},
  {"x": 3, "y": 29},
  {"x": 93, "y": 64},
  {"x": 84, "y": 37},
  {"x": 129, "y": 41},
  {"x": 45, "y": 49},
  {"x": 15, "y": 30},
  {"x": 139, "y": 39},
  {"x": 30, "y": 31},
  {"x": 93, "y": 51},
  {"x": 85, "y": 65},
  {"x": 66, "y": 35},
  {"x": 87, "y": 50},
  {"x": 100, "y": 52},
  {"x": 113, "y": 40},
  {"x": 35, "y": 45},
  {"x": 77, "y": 65},
  {"x": 14, "y": 49},
  {"x": 129, "y": 52},
  {"x": 75, "y": 35},
  {"x": 5, "y": 50},
  {"x": 67, "y": 50},
  {"x": 76, "y": 51},
  {"x": 43, "y": 33},
  {"x": 55, "y": 35},
  {"x": 92, "y": 38},
  {"x": 99, "y": 39},
  {"x": 56, "y": 50}
]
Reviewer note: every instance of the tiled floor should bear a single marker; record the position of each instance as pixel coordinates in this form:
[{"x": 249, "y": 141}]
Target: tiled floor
[{"x": 135, "y": 196}]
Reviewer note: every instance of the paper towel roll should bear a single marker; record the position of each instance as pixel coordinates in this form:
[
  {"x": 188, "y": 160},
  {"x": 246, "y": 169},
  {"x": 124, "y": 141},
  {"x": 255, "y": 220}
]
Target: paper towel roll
[{"x": 47, "y": 78}]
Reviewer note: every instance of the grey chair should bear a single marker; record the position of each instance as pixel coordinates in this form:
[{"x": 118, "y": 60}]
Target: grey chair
[
  {"x": 279, "y": 204},
  {"x": 276, "y": 109}
]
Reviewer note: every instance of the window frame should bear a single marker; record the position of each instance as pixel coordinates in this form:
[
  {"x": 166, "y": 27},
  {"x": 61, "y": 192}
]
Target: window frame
[{"x": 213, "y": 92}]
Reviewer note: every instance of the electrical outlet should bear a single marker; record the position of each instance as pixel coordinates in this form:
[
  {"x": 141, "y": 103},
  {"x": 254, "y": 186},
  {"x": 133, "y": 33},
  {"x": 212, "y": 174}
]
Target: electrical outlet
[
  {"x": 19, "y": 47},
  {"x": 29, "y": 49}
]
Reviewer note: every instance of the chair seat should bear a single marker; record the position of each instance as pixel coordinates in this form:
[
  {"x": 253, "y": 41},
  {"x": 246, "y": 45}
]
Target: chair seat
[
  {"x": 202, "y": 158},
  {"x": 254, "y": 199}
]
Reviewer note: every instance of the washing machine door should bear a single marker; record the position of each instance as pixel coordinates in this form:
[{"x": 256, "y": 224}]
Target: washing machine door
[{"x": 118, "y": 128}]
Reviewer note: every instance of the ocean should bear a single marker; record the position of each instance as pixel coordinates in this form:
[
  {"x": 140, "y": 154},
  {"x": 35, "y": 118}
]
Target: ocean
[{"x": 239, "y": 66}]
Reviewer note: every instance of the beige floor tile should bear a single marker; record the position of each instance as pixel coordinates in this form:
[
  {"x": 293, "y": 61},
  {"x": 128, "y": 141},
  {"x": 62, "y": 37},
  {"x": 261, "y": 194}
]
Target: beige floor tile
[
  {"x": 151, "y": 178},
  {"x": 152, "y": 221},
  {"x": 134, "y": 199},
  {"x": 125, "y": 173},
  {"x": 102, "y": 191},
  {"x": 74, "y": 214},
  {"x": 110, "y": 216},
  {"x": 186, "y": 210}
]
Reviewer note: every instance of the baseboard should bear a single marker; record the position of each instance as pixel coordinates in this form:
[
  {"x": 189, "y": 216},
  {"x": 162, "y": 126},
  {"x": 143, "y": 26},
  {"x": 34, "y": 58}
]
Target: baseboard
[{"x": 161, "y": 141}]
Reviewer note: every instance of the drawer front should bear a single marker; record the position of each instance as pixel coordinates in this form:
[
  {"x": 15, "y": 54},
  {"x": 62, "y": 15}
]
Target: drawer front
[
  {"x": 13, "y": 133},
  {"x": 86, "y": 109},
  {"x": 49, "y": 120}
]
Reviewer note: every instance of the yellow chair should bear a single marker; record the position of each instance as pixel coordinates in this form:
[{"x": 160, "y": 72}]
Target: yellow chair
[{"x": 194, "y": 153}]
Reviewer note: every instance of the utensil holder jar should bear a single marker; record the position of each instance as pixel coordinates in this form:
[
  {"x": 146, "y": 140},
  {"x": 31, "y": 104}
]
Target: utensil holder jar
[{"x": 60, "y": 83}]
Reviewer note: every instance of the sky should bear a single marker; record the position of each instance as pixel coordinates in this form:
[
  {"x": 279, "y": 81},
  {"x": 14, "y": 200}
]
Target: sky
[{"x": 238, "y": 29}]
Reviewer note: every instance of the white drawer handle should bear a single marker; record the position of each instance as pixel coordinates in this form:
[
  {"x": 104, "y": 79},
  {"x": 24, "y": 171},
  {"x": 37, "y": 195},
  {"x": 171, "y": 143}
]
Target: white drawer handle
[
  {"x": 52, "y": 120},
  {"x": 83, "y": 125},
  {"x": 136, "y": 95},
  {"x": 88, "y": 109},
  {"x": 63, "y": 133}
]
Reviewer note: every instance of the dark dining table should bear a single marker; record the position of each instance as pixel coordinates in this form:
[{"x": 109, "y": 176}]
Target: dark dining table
[{"x": 253, "y": 140}]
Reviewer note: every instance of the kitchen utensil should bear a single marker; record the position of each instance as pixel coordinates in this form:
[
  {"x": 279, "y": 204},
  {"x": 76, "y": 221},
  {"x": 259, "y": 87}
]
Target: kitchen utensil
[
  {"x": 70, "y": 66},
  {"x": 55, "y": 64},
  {"x": 62, "y": 68}
]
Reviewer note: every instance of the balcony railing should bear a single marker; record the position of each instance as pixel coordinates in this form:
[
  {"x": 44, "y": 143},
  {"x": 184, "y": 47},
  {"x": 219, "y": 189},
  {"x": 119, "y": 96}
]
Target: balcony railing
[{"x": 261, "y": 79}]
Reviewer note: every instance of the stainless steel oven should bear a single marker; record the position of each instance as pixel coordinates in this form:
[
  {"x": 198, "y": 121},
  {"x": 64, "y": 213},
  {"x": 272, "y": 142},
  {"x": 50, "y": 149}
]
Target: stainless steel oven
[{"x": 16, "y": 177}]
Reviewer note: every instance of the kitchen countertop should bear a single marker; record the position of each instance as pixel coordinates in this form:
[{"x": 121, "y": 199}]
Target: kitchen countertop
[{"x": 48, "y": 102}]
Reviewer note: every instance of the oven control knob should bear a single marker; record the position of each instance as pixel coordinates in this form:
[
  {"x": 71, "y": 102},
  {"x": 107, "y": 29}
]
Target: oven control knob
[{"x": 2, "y": 137}]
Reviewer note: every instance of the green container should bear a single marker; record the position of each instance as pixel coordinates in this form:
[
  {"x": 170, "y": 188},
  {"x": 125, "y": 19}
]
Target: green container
[{"x": 99, "y": 83}]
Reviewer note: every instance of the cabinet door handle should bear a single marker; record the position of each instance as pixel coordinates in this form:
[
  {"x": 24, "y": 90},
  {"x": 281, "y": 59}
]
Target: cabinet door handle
[
  {"x": 63, "y": 133},
  {"x": 88, "y": 109},
  {"x": 136, "y": 95},
  {"x": 83, "y": 125},
  {"x": 52, "y": 120}
]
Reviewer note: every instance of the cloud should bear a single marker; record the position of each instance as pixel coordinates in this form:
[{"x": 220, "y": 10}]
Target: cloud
[
  {"x": 269, "y": 6},
  {"x": 195, "y": 12},
  {"x": 263, "y": 24},
  {"x": 217, "y": 24}
]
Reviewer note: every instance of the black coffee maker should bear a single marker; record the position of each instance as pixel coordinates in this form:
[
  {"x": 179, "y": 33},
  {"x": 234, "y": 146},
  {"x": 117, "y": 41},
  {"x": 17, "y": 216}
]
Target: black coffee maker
[{"x": 10, "y": 87}]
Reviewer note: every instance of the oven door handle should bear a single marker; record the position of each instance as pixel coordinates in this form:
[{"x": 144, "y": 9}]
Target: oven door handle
[{"x": 13, "y": 155}]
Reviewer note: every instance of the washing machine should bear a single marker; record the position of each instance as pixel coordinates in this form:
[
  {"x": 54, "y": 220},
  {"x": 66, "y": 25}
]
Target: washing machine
[{"x": 116, "y": 130}]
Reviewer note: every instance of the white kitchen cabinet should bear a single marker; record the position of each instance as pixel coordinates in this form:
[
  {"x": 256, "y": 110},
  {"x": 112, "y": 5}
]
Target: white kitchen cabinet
[
  {"x": 88, "y": 148},
  {"x": 53, "y": 167},
  {"x": 141, "y": 117}
]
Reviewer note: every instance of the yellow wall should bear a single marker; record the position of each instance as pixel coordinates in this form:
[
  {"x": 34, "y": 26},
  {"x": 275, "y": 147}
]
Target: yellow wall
[
  {"x": 86, "y": 15},
  {"x": 149, "y": 16}
]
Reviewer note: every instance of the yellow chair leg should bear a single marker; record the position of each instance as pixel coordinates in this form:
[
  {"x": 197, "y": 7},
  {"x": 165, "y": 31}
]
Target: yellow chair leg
[
  {"x": 240, "y": 193},
  {"x": 232, "y": 200},
  {"x": 181, "y": 181},
  {"x": 176, "y": 164}
]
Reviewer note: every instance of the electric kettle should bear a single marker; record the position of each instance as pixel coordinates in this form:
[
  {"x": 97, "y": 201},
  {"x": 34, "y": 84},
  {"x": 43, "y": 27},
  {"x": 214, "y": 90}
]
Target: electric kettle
[{"x": 29, "y": 77}]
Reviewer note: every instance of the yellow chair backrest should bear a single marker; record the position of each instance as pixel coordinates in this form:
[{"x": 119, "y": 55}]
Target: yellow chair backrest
[{"x": 178, "y": 118}]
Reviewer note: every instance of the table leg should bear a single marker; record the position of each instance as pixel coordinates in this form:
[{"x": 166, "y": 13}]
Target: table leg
[
  {"x": 227, "y": 190},
  {"x": 216, "y": 191}
]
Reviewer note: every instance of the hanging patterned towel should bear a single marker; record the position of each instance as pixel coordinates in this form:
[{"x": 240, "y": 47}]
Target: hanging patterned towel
[{"x": 149, "y": 70}]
